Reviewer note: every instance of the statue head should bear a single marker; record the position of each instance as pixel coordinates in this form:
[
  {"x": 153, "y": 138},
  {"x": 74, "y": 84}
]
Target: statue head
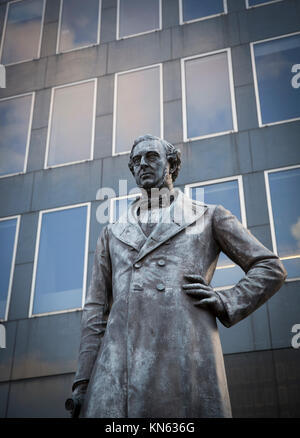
[{"x": 154, "y": 162}]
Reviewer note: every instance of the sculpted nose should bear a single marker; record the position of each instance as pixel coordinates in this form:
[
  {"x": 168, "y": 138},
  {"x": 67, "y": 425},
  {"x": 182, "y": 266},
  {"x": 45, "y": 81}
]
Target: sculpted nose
[{"x": 143, "y": 162}]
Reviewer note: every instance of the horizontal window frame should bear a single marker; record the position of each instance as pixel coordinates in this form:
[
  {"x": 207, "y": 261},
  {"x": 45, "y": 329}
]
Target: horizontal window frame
[
  {"x": 254, "y": 72},
  {"x": 40, "y": 37},
  {"x": 92, "y": 147},
  {"x": 161, "y": 106},
  {"x": 261, "y": 4},
  {"x": 187, "y": 139},
  {"x": 208, "y": 17},
  {"x": 36, "y": 256}
]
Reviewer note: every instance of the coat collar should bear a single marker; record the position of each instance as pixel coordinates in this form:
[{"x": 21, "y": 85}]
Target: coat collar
[{"x": 184, "y": 212}]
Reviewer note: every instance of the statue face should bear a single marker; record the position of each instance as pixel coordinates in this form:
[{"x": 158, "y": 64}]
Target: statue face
[{"x": 150, "y": 165}]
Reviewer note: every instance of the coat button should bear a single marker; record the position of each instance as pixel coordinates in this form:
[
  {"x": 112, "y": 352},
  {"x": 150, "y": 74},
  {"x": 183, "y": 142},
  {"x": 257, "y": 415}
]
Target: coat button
[
  {"x": 161, "y": 263},
  {"x": 137, "y": 265},
  {"x": 160, "y": 287}
]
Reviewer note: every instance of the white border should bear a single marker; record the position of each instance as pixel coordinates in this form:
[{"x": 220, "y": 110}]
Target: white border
[
  {"x": 95, "y": 80},
  {"x": 58, "y": 51},
  {"x": 32, "y": 94},
  {"x": 114, "y": 153},
  {"x": 232, "y": 96},
  {"x": 140, "y": 33},
  {"x": 40, "y": 37},
  {"x": 118, "y": 198},
  {"x": 261, "y": 4},
  {"x": 36, "y": 254},
  {"x": 12, "y": 266},
  {"x": 262, "y": 125},
  {"x": 207, "y": 17},
  {"x": 270, "y": 210},
  {"x": 239, "y": 179}
]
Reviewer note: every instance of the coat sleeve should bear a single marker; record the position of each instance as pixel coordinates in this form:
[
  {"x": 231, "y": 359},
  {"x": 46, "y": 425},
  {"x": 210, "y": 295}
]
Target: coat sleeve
[
  {"x": 264, "y": 271},
  {"x": 96, "y": 310}
]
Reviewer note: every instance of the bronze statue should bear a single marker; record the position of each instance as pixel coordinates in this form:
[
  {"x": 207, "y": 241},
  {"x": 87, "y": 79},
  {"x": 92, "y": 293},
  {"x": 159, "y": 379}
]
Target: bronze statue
[{"x": 150, "y": 345}]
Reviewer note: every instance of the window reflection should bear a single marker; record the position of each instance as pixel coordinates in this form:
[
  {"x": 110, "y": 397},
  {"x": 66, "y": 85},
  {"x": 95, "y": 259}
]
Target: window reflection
[
  {"x": 72, "y": 123},
  {"x": 278, "y": 78},
  {"x": 7, "y": 241},
  {"x": 284, "y": 192},
  {"x": 227, "y": 194},
  {"x": 14, "y": 127},
  {"x": 79, "y": 24},
  {"x": 23, "y": 31},
  {"x": 138, "y": 106},
  {"x": 61, "y": 260},
  {"x": 195, "y": 9},
  {"x": 208, "y": 96},
  {"x": 138, "y": 16}
]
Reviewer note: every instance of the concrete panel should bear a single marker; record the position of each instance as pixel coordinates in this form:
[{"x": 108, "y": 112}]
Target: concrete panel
[
  {"x": 24, "y": 77},
  {"x": 237, "y": 338},
  {"x": 170, "y": 13},
  {"x": 287, "y": 366},
  {"x": 275, "y": 146},
  {"x": 52, "y": 11},
  {"x": 235, "y": 5},
  {"x": 108, "y": 25},
  {"x": 66, "y": 185},
  {"x": 144, "y": 50},
  {"x": 41, "y": 109},
  {"x": 37, "y": 149},
  {"x": 105, "y": 95},
  {"x": 95, "y": 227},
  {"x": 45, "y": 397},
  {"x": 114, "y": 170},
  {"x": 20, "y": 295},
  {"x": 76, "y": 66},
  {"x": 284, "y": 313},
  {"x": 231, "y": 31},
  {"x": 173, "y": 121},
  {"x": 49, "y": 39},
  {"x": 15, "y": 194},
  {"x": 243, "y": 152},
  {"x": 246, "y": 107},
  {"x": 2, "y": 18},
  {"x": 263, "y": 234},
  {"x": 47, "y": 345},
  {"x": 252, "y": 385},
  {"x": 27, "y": 234},
  {"x": 109, "y": 4},
  {"x": 241, "y": 65},
  {"x": 103, "y": 136},
  {"x": 255, "y": 199},
  {"x": 172, "y": 80},
  {"x": 6, "y": 354},
  {"x": 4, "y": 389},
  {"x": 261, "y": 328}
]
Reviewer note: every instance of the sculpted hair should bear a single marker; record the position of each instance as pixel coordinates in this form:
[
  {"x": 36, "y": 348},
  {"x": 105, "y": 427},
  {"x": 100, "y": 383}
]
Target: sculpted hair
[{"x": 173, "y": 154}]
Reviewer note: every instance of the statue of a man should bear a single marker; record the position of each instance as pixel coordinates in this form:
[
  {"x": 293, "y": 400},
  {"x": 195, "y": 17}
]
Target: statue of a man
[{"x": 150, "y": 346}]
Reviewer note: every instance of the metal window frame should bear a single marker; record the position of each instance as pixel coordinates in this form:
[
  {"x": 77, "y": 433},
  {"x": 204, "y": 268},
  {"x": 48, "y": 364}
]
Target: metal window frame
[
  {"x": 261, "y": 4},
  {"x": 32, "y": 94},
  {"x": 257, "y": 99},
  {"x": 95, "y": 80},
  {"x": 239, "y": 179},
  {"x": 140, "y": 33},
  {"x": 232, "y": 96},
  {"x": 58, "y": 51},
  {"x": 207, "y": 17},
  {"x": 161, "y": 109},
  {"x": 40, "y": 37},
  {"x": 270, "y": 209},
  {"x": 112, "y": 204},
  {"x": 36, "y": 256},
  {"x": 12, "y": 266}
]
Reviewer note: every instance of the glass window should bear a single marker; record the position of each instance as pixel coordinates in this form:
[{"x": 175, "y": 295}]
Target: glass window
[
  {"x": 277, "y": 65},
  {"x": 209, "y": 97},
  {"x": 138, "y": 16},
  {"x": 285, "y": 209},
  {"x": 15, "y": 126},
  {"x": 224, "y": 193},
  {"x": 195, "y": 9},
  {"x": 71, "y": 128},
  {"x": 22, "y": 35},
  {"x": 138, "y": 108},
  {"x": 250, "y": 3},
  {"x": 79, "y": 24},
  {"x": 119, "y": 206},
  {"x": 61, "y": 260},
  {"x": 8, "y": 238}
]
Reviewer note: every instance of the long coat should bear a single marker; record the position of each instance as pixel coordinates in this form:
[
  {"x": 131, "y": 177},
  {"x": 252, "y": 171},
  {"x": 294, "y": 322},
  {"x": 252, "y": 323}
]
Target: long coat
[{"x": 146, "y": 349}]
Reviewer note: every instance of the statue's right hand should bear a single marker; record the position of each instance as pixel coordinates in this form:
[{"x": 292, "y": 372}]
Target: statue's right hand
[{"x": 75, "y": 403}]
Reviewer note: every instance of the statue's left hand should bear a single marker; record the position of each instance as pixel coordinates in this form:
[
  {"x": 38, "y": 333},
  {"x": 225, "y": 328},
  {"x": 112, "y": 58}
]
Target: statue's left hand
[{"x": 207, "y": 298}]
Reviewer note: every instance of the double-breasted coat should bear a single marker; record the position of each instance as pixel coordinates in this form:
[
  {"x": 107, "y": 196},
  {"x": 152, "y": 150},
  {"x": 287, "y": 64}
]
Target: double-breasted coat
[{"x": 146, "y": 349}]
